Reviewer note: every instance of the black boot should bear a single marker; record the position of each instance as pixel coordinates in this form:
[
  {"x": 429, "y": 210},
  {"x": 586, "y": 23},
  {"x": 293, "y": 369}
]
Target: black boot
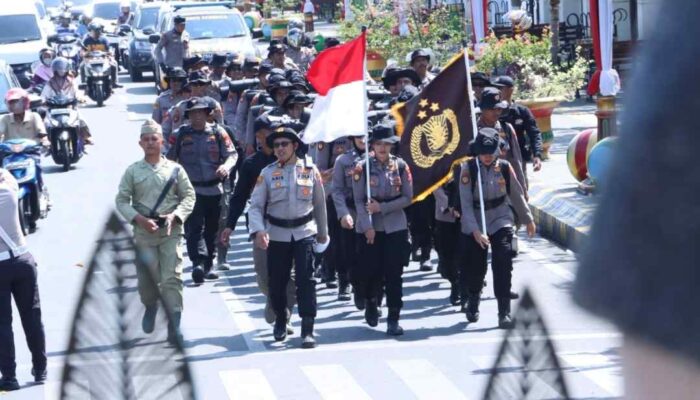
[
  {"x": 414, "y": 252},
  {"x": 344, "y": 291},
  {"x": 280, "y": 329},
  {"x": 197, "y": 274},
  {"x": 290, "y": 328},
  {"x": 454, "y": 294},
  {"x": 307, "y": 333},
  {"x": 472, "y": 309},
  {"x": 392, "y": 323},
  {"x": 209, "y": 270},
  {"x": 149, "y": 319},
  {"x": 425, "y": 264},
  {"x": 174, "y": 335},
  {"x": 504, "y": 319},
  {"x": 39, "y": 375},
  {"x": 359, "y": 301},
  {"x": 514, "y": 296},
  {"x": 8, "y": 384},
  {"x": 372, "y": 313}
]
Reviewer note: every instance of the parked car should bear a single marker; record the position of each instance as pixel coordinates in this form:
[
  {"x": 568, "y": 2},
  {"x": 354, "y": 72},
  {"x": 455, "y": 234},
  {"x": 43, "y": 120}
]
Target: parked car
[
  {"x": 21, "y": 38},
  {"x": 139, "y": 57}
]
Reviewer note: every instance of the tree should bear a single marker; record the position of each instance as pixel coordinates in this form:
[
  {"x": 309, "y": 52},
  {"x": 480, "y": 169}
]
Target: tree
[{"x": 554, "y": 20}]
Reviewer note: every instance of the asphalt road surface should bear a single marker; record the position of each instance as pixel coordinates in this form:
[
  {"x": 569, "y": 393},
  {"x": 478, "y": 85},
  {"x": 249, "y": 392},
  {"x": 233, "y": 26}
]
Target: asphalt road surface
[{"x": 229, "y": 346}]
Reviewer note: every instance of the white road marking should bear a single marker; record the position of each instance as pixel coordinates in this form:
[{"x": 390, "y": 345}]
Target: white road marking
[
  {"x": 425, "y": 380},
  {"x": 241, "y": 317},
  {"x": 541, "y": 259},
  {"x": 513, "y": 366},
  {"x": 247, "y": 384},
  {"x": 599, "y": 369},
  {"x": 147, "y": 387},
  {"x": 334, "y": 382}
]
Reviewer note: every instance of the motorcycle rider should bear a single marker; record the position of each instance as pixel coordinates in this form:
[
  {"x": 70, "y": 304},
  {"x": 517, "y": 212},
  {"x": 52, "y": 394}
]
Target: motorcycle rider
[
  {"x": 43, "y": 71},
  {"x": 65, "y": 25},
  {"x": 297, "y": 51},
  {"x": 126, "y": 17},
  {"x": 83, "y": 25},
  {"x": 63, "y": 84},
  {"x": 21, "y": 122},
  {"x": 95, "y": 42}
]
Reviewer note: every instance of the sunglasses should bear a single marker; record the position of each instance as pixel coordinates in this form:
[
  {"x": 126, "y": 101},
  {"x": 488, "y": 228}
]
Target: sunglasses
[{"x": 277, "y": 145}]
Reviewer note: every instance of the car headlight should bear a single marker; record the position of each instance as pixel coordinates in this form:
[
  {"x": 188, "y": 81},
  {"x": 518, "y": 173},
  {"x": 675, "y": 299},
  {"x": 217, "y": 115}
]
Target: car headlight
[{"x": 142, "y": 45}]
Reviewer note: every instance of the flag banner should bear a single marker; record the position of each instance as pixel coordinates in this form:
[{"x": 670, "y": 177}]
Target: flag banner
[
  {"x": 338, "y": 75},
  {"x": 435, "y": 128}
]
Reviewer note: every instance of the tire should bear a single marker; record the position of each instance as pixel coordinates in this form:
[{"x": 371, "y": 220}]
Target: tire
[
  {"x": 24, "y": 218},
  {"x": 99, "y": 95},
  {"x": 65, "y": 153}
]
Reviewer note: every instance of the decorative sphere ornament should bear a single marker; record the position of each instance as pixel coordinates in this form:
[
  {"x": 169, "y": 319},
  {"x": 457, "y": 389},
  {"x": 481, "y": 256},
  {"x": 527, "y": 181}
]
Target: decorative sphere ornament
[
  {"x": 579, "y": 151},
  {"x": 266, "y": 30},
  {"x": 600, "y": 159}
]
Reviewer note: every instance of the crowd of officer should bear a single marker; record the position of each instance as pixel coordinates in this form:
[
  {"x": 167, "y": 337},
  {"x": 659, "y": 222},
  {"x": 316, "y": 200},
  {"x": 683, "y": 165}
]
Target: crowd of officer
[{"x": 233, "y": 124}]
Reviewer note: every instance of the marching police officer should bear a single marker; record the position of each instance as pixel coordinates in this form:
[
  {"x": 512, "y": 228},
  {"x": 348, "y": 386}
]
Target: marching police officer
[
  {"x": 197, "y": 84},
  {"x": 207, "y": 155},
  {"x": 524, "y": 123},
  {"x": 156, "y": 196},
  {"x": 287, "y": 211},
  {"x": 492, "y": 107},
  {"x": 381, "y": 219},
  {"x": 176, "y": 79},
  {"x": 501, "y": 190},
  {"x": 344, "y": 204},
  {"x": 420, "y": 61},
  {"x": 175, "y": 43},
  {"x": 249, "y": 98},
  {"x": 446, "y": 234}
]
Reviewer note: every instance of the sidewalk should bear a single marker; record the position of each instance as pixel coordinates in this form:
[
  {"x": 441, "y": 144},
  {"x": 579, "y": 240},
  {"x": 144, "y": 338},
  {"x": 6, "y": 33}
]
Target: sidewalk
[{"x": 562, "y": 214}]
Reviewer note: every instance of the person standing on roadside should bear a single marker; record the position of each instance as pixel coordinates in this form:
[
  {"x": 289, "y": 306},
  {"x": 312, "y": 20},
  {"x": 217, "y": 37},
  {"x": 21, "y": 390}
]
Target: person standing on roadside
[
  {"x": 18, "y": 279},
  {"x": 175, "y": 43}
]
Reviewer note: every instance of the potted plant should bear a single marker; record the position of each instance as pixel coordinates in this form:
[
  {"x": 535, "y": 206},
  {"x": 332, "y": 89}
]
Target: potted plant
[{"x": 540, "y": 85}]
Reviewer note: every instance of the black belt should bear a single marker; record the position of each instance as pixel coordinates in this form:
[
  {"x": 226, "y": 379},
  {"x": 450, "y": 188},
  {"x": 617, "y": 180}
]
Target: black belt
[
  {"x": 212, "y": 182},
  {"x": 290, "y": 223},
  {"x": 350, "y": 203},
  {"x": 490, "y": 204},
  {"x": 388, "y": 199}
]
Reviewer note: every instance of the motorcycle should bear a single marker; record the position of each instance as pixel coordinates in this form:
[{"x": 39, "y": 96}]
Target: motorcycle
[
  {"x": 67, "y": 45},
  {"x": 97, "y": 77},
  {"x": 63, "y": 128},
  {"x": 21, "y": 158}
]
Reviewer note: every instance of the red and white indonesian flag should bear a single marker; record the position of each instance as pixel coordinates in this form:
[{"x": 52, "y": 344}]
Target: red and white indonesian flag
[{"x": 338, "y": 75}]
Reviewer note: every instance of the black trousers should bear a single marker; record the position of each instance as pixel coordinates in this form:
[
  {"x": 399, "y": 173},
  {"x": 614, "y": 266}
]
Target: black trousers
[
  {"x": 18, "y": 279},
  {"x": 201, "y": 228},
  {"x": 381, "y": 263},
  {"x": 421, "y": 221},
  {"x": 474, "y": 264},
  {"x": 446, "y": 240},
  {"x": 347, "y": 254},
  {"x": 329, "y": 262},
  {"x": 279, "y": 266}
]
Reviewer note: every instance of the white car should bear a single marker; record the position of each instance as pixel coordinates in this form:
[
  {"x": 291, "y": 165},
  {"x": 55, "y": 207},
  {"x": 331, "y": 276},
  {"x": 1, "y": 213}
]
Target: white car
[{"x": 21, "y": 38}]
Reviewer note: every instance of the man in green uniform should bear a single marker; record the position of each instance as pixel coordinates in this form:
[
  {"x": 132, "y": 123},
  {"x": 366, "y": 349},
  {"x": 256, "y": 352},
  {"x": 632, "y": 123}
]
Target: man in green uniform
[{"x": 156, "y": 196}]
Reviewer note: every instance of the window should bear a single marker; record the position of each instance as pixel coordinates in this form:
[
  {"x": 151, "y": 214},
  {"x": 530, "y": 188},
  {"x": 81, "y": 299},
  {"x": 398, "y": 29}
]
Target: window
[
  {"x": 18, "y": 28},
  {"x": 147, "y": 17},
  {"x": 53, "y": 3},
  {"x": 106, "y": 11},
  {"x": 215, "y": 26}
]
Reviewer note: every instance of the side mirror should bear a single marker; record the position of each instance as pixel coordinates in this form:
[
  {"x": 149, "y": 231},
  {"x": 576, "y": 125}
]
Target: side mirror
[
  {"x": 257, "y": 33},
  {"x": 51, "y": 39},
  {"x": 124, "y": 28},
  {"x": 154, "y": 39},
  {"x": 148, "y": 30}
]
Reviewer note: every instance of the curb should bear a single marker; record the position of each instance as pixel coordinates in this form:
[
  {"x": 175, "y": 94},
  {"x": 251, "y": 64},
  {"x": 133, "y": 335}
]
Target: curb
[{"x": 562, "y": 215}]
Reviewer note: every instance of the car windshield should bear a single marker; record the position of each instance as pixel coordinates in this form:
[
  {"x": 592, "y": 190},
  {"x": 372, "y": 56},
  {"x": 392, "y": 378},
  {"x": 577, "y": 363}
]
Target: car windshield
[
  {"x": 147, "y": 17},
  {"x": 106, "y": 11},
  {"x": 81, "y": 3},
  {"x": 18, "y": 28},
  {"x": 4, "y": 87},
  {"x": 53, "y": 3},
  {"x": 215, "y": 26}
]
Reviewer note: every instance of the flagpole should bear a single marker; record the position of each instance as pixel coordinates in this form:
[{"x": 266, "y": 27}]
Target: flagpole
[
  {"x": 366, "y": 107},
  {"x": 476, "y": 132}
]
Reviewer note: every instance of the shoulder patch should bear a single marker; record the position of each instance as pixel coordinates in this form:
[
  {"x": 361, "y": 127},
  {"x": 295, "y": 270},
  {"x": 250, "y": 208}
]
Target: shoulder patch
[
  {"x": 320, "y": 146},
  {"x": 260, "y": 180}
]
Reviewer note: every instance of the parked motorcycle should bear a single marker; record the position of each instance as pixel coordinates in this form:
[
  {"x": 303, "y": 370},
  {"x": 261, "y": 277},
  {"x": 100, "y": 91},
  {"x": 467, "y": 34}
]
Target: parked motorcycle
[
  {"x": 63, "y": 128},
  {"x": 97, "y": 77},
  {"x": 21, "y": 158}
]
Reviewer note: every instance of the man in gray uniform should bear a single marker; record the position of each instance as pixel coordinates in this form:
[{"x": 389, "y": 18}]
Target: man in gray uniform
[
  {"x": 176, "y": 80},
  {"x": 207, "y": 154},
  {"x": 287, "y": 212},
  {"x": 501, "y": 191},
  {"x": 175, "y": 43}
]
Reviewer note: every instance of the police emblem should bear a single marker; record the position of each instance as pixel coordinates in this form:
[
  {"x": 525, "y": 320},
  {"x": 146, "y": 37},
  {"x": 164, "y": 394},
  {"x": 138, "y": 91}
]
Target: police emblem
[
  {"x": 356, "y": 177},
  {"x": 320, "y": 146},
  {"x": 441, "y": 133},
  {"x": 465, "y": 179}
]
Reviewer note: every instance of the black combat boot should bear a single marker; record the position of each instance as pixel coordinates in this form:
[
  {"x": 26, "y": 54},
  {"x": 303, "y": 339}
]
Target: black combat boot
[
  {"x": 454, "y": 294},
  {"x": 343, "y": 290},
  {"x": 504, "y": 319},
  {"x": 425, "y": 264},
  {"x": 290, "y": 328},
  {"x": 280, "y": 329},
  {"x": 414, "y": 252},
  {"x": 39, "y": 375},
  {"x": 8, "y": 384},
  {"x": 307, "y": 333},
  {"x": 472, "y": 309},
  {"x": 392, "y": 323},
  {"x": 197, "y": 273},
  {"x": 514, "y": 295},
  {"x": 372, "y": 313},
  {"x": 359, "y": 301},
  {"x": 174, "y": 335},
  {"x": 148, "y": 322}
]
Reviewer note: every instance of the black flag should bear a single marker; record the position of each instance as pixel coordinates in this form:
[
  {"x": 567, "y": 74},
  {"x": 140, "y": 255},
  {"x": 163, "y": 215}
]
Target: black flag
[{"x": 435, "y": 128}]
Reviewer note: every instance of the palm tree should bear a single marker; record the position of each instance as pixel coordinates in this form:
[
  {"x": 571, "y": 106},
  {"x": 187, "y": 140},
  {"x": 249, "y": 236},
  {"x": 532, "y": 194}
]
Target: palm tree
[{"x": 554, "y": 21}]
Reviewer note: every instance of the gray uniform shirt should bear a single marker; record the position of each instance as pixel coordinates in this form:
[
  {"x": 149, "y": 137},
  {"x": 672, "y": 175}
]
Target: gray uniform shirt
[
  {"x": 161, "y": 110},
  {"x": 441, "y": 204},
  {"x": 175, "y": 46},
  {"x": 325, "y": 155},
  {"x": 288, "y": 192},
  {"x": 389, "y": 186},
  {"x": 513, "y": 155},
  {"x": 201, "y": 153},
  {"x": 341, "y": 184},
  {"x": 494, "y": 186}
]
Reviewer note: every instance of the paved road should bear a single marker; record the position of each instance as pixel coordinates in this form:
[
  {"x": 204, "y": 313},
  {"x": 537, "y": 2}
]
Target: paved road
[{"x": 229, "y": 345}]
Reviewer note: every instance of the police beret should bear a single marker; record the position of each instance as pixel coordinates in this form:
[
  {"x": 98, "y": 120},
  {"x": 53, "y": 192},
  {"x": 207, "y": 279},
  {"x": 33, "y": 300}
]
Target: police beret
[
  {"x": 491, "y": 99},
  {"x": 480, "y": 79},
  {"x": 486, "y": 142},
  {"x": 383, "y": 132},
  {"x": 503, "y": 81},
  {"x": 198, "y": 103}
]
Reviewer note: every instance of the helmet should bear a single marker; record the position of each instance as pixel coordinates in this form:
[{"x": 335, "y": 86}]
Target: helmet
[
  {"x": 47, "y": 52},
  {"x": 96, "y": 27},
  {"x": 176, "y": 73},
  {"x": 295, "y": 23},
  {"x": 60, "y": 66},
  {"x": 125, "y": 4},
  {"x": 295, "y": 37},
  {"x": 86, "y": 18},
  {"x": 17, "y": 94}
]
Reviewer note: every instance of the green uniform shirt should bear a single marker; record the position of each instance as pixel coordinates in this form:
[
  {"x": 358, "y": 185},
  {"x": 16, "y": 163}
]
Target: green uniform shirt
[{"x": 142, "y": 184}]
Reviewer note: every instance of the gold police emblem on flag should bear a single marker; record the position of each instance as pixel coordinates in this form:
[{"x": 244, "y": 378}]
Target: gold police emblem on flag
[{"x": 440, "y": 133}]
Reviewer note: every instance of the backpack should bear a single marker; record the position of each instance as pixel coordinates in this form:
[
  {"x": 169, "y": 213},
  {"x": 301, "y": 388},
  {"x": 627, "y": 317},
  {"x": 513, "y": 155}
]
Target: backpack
[{"x": 179, "y": 136}]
